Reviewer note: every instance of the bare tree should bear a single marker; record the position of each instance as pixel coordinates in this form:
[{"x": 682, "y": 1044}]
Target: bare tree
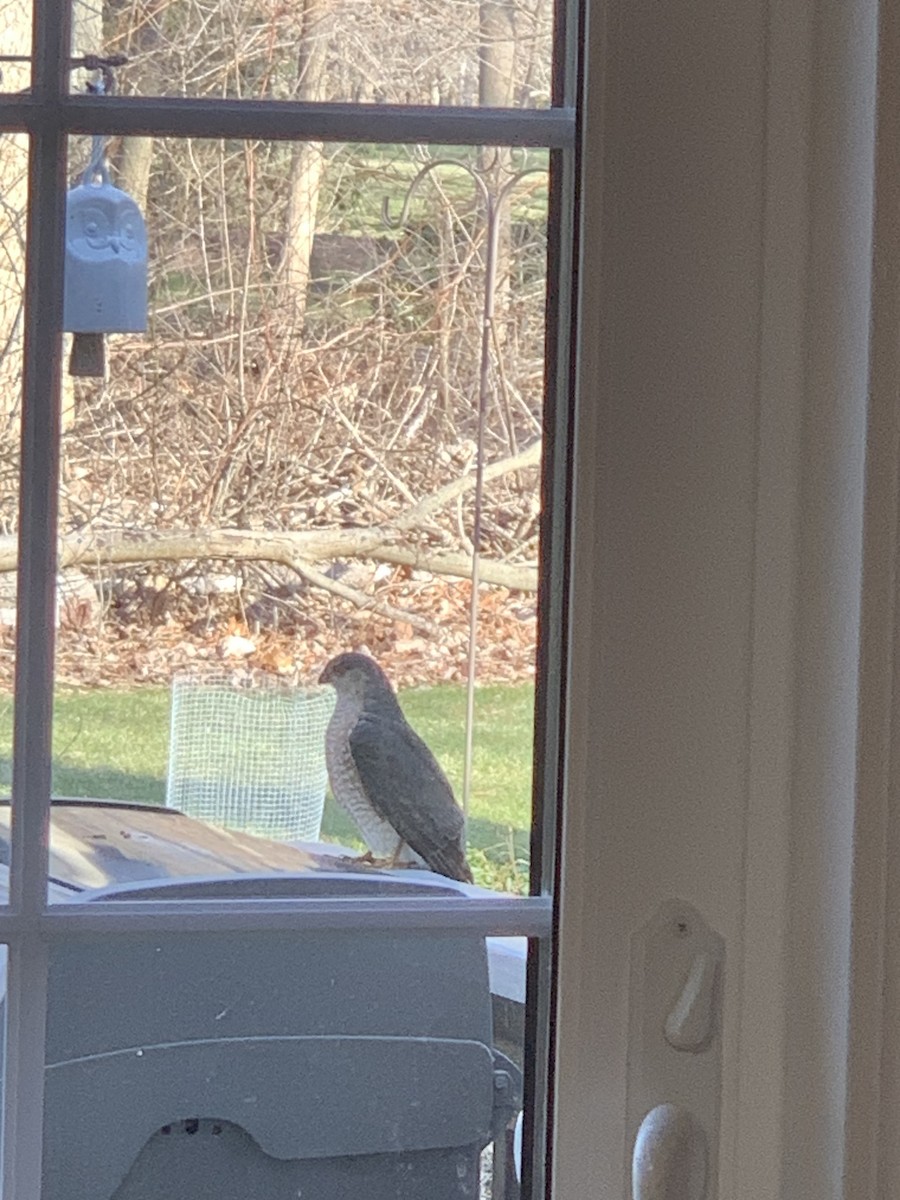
[
  {"x": 496, "y": 89},
  {"x": 307, "y": 161},
  {"x": 307, "y": 369}
]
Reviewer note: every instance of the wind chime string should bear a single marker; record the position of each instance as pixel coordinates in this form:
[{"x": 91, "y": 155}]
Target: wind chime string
[{"x": 98, "y": 168}]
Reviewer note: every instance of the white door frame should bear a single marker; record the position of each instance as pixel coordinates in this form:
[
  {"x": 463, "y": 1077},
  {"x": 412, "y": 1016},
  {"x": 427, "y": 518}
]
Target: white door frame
[{"x": 717, "y": 702}]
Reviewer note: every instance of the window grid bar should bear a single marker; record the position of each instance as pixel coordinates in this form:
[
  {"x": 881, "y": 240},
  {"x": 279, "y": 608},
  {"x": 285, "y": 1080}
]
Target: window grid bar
[
  {"x": 39, "y": 472},
  {"x": 36, "y": 600},
  {"x": 23, "y": 1087},
  {"x": 555, "y": 523},
  {"x": 23, "y": 1068},
  {"x": 274, "y": 120},
  {"x": 525, "y": 917},
  {"x": 541, "y": 969},
  {"x": 572, "y": 18}
]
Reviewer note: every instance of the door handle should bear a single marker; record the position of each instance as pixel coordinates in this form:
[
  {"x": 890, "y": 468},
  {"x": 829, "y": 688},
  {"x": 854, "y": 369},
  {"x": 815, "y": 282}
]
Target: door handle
[{"x": 674, "y": 1057}]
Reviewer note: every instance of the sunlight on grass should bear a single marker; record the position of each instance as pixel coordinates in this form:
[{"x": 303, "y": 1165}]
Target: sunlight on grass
[{"x": 114, "y": 745}]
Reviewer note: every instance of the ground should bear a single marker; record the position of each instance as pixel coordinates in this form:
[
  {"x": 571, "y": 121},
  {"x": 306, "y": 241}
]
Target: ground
[{"x": 131, "y": 640}]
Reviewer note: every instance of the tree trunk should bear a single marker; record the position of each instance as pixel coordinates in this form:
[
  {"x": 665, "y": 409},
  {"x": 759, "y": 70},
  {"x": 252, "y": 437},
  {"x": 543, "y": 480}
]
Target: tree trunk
[
  {"x": 134, "y": 162},
  {"x": 307, "y": 164},
  {"x": 134, "y": 31},
  {"x": 497, "y": 55},
  {"x": 303, "y": 199}
]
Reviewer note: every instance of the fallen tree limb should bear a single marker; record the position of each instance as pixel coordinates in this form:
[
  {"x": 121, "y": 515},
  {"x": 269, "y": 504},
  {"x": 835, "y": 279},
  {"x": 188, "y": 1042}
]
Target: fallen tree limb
[
  {"x": 518, "y": 577},
  {"x": 94, "y": 547},
  {"x": 108, "y": 547}
]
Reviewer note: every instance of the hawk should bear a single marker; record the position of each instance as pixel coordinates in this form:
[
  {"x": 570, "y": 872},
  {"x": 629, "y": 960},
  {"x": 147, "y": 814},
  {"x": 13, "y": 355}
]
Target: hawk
[{"x": 384, "y": 776}]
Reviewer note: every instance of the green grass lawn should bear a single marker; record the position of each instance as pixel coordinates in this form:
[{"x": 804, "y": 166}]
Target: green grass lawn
[
  {"x": 359, "y": 177},
  {"x": 114, "y": 745}
]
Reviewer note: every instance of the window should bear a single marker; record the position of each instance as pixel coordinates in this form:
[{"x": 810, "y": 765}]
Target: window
[{"x": 235, "y": 117}]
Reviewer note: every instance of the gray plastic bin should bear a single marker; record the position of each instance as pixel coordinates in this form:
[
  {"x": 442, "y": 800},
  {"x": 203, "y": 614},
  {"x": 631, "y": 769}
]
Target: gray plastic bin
[{"x": 341, "y": 1065}]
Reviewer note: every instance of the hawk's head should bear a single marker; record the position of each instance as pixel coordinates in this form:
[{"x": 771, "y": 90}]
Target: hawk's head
[{"x": 356, "y": 675}]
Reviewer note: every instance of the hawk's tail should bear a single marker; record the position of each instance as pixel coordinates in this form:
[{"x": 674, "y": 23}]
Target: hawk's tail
[{"x": 451, "y": 862}]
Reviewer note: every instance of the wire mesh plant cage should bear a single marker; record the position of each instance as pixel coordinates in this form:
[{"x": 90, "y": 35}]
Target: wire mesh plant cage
[{"x": 247, "y": 752}]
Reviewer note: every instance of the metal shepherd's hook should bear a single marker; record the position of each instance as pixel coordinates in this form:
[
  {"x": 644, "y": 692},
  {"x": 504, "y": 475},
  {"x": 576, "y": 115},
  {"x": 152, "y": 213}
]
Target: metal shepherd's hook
[{"x": 493, "y": 206}]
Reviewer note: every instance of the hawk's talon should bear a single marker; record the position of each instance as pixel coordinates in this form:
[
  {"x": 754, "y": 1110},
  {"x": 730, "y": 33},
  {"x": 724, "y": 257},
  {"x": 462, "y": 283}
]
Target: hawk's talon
[
  {"x": 380, "y": 864},
  {"x": 367, "y": 860}
]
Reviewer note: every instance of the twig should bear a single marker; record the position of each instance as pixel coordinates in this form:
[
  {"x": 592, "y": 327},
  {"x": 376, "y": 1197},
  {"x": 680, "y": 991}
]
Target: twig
[
  {"x": 370, "y": 454},
  {"x": 361, "y": 600},
  {"x": 529, "y": 457}
]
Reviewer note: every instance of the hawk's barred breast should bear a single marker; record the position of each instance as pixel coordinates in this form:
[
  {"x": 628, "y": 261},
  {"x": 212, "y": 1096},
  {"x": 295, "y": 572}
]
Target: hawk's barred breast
[{"x": 346, "y": 786}]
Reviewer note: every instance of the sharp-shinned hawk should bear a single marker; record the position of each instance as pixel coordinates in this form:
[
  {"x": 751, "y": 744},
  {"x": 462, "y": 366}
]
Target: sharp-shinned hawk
[{"x": 385, "y": 777}]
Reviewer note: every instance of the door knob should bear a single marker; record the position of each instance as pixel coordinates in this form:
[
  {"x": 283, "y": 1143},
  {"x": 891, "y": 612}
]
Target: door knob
[{"x": 670, "y": 1156}]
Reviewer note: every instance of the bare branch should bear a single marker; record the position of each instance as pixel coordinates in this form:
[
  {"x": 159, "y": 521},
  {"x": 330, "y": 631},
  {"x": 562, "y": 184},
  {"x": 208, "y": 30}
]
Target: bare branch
[
  {"x": 363, "y": 601},
  {"x": 529, "y": 457}
]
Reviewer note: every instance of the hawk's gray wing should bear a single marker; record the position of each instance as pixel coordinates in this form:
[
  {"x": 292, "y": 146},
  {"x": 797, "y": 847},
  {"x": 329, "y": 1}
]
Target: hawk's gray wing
[{"x": 407, "y": 787}]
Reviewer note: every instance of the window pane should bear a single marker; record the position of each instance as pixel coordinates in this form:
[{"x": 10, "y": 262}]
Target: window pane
[
  {"x": 13, "y": 188},
  {"x": 280, "y": 469},
  {"x": 464, "y": 52},
  {"x": 15, "y": 44},
  {"x": 342, "y": 1065}
]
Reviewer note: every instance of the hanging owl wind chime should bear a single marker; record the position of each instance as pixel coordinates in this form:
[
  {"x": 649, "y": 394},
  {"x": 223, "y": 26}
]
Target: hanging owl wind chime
[{"x": 106, "y": 261}]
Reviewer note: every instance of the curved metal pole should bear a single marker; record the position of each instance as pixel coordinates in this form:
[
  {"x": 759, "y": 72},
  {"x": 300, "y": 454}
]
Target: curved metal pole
[
  {"x": 493, "y": 203},
  {"x": 493, "y": 208},
  {"x": 487, "y": 322}
]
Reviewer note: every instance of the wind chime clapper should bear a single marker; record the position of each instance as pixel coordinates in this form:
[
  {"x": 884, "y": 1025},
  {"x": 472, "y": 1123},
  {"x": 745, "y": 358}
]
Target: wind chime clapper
[{"x": 105, "y": 287}]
